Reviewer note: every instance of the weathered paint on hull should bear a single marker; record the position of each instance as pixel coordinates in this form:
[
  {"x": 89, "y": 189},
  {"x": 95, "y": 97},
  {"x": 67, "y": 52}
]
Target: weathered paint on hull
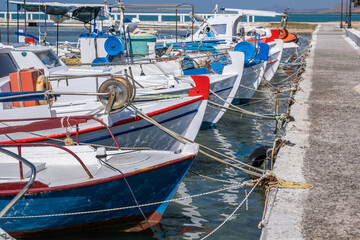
[{"x": 150, "y": 186}]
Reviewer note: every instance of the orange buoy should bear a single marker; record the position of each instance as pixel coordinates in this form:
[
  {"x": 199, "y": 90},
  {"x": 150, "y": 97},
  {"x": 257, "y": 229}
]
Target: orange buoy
[{"x": 283, "y": 33}]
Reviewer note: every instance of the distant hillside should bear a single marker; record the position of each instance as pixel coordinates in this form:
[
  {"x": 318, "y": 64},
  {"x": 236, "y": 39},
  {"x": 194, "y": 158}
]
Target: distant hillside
[
  {"x": 306, "y": 10},
  {"x": 281, "y": 8},
  {"x": 337, "y": 9}
]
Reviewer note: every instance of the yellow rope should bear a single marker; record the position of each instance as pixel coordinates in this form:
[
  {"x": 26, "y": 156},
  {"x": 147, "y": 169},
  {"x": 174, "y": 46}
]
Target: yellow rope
[
  {"x": 72, "y": 61},
  {"x": 282, "y": 183},
  {"x": 272, "y": 153}
]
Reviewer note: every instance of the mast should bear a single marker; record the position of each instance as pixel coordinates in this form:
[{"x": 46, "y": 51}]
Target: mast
[
  {"x": 341, "y": 16},
  {"x": 7, "y": 23},
  {"x": 349, "y": 22},
  {"x": 25, "y": 20}
]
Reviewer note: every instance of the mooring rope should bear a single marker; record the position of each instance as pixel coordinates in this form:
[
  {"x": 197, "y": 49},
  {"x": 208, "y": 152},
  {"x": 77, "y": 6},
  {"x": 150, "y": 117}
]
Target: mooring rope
[
  {"x": 213, "y": 179},
  {"x": 254, "y": 89},
  {"x": 249, "y": 182},
  {"x": 242, "y": 111},
  {"x": 184, "y": 140},
  {"x": 236, "y": 209},
  {"x": 131, "y": 191}
]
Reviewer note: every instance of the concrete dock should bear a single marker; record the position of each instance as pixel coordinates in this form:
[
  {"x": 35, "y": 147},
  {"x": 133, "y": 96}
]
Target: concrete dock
[{"x": 326, "y": 154}]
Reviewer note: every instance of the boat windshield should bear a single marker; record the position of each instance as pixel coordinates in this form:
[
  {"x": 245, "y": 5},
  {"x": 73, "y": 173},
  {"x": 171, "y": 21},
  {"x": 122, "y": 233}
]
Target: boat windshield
[
  {"x": 219, "y": 28},
  {"x": 49, "y": 59},
  {"x": 7, "y": 66}
]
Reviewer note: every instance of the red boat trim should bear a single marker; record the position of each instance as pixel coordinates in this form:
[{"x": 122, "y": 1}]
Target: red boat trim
[
  {"x": 7, "y": 186},
  {"x": 129, "y": 120},
  {"x": 272, "y": 61},
  {"x": 33, "y": 190}
]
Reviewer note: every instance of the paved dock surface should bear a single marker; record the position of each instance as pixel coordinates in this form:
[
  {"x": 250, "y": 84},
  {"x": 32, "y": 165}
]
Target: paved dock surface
[{"x": 326, "y": 133}]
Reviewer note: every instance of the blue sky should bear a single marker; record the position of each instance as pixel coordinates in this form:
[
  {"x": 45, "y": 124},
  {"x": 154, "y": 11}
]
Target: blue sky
[{"x": 208, "y": 5}]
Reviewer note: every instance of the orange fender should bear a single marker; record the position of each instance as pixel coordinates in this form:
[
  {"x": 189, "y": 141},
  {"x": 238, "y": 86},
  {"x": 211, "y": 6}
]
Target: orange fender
[
  {"x": 291, "y": 38},
  {"x": 283, "y": 33}
]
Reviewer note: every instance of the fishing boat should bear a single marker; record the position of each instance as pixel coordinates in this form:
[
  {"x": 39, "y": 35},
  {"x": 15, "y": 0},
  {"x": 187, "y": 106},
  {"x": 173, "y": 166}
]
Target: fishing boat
[
  {"x": 167, "y": 77},
  {"x": 151, "y": 77},
  {"x": 226, "y": 30},
  {"x": 255, "y": 64},
  {"x": 48, "y": 189},
  {"x": 274, "y": 59},
  {"x": 81, "y": 96}
]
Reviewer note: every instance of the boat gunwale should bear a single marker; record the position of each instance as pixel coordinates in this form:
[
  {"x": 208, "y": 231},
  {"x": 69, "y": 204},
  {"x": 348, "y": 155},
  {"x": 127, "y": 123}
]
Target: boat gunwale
[
  {"x": 91, "y": 182},
  {"x": 121, "y": 122}
]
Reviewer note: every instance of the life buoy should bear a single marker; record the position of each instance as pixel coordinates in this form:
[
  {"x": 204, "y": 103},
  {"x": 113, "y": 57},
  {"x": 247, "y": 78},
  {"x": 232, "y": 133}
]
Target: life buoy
[
  {"x": 284, "y": 33},
  {"x": 43, "y": 84}
]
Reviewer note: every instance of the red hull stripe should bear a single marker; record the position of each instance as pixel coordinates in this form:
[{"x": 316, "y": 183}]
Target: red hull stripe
[
  {"x": 129, "y": 120},
  {"x": 97, "y": 181},
  {"x": 275, "y": 60}
]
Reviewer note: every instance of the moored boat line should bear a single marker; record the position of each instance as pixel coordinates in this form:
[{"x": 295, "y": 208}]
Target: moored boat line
[
  {"x": 329, "y": 97},
  {"x": 153, "y": 107}
]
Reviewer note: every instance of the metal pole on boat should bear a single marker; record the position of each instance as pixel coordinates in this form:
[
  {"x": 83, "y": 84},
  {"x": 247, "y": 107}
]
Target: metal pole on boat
[
  {"x": 341, "y": 16},
  {"x": 46, "y": 16},
  {"x": 346, "y": 12},
  {"x": 57, "y": 37},
  {"x": 176, "y": 25},
  {"x": 17, "y": 21},
  {"x": 39, "y": 25},
  {"x": 27, "y": 186},
  {"x": 7, "y": 23},
  {"x": 349, "y": 22},
  {"x": 192, "y": 23},
  {"x": 25, "y": 20}
]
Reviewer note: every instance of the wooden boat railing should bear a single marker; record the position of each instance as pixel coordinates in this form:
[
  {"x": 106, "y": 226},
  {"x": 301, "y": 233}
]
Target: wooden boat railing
[{"x": 27, "y": 186}]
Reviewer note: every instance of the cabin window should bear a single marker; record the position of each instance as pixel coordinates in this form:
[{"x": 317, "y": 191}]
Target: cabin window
[
  {"x": 219, "y": 28},
  {"x": 48, "y": 59},
  {"x": 7, "y": 66}
]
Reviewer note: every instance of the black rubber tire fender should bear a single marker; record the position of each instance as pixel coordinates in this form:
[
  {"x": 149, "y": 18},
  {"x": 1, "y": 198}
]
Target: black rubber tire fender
[{"x": 258, "y": 156}]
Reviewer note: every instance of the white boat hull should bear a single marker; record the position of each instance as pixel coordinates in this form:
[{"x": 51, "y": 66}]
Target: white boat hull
[
  {"x": 273, "y": 63},
  {"x": 183, "y": 116},
  {"x": 250, "y": 82}
]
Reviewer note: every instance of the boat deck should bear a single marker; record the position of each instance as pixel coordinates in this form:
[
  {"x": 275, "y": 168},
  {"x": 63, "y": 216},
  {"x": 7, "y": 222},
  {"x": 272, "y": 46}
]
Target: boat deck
[
  {"x": 326, "y": 152},
  {"x": 56, "y": 167}
]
